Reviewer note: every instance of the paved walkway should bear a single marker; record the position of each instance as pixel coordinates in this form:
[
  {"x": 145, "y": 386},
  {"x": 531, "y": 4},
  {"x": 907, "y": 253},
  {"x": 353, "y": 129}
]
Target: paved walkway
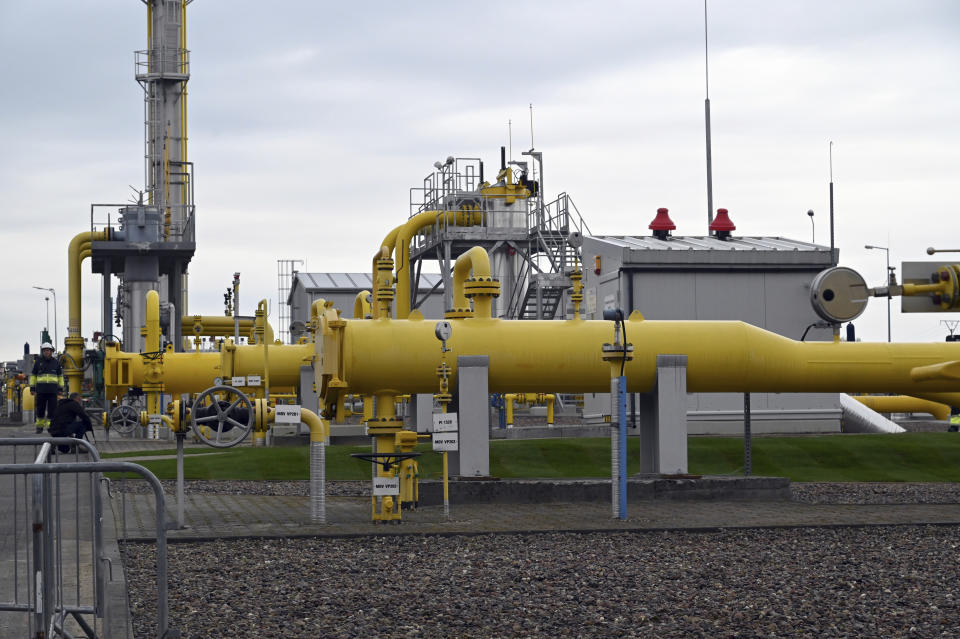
[
  {"x": 217, "y": 515},
  {"x": 214, "y": 516}
]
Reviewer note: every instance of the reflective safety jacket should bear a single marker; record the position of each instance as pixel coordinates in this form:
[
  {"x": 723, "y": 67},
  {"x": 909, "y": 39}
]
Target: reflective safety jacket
[{"x": 47, "y": 375}]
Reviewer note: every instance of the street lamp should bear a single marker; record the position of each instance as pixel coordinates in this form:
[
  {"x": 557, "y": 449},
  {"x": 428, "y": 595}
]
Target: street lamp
[
  {"x": 813, "y": 228},
  {"x": 56, "y": 334},
  {"x": 889, "y": 274}
]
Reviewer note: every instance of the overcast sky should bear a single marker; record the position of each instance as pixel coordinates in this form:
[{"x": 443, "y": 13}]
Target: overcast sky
[{"x": 310, "y": 121}]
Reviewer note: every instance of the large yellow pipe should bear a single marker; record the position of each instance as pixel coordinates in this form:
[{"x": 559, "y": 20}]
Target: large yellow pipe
[
  {"x": 77, "y": 250},
  {"x": 193, "y": 372},
  {"x": 904, "y": 404},
  {"x": 565, "y": 356},
  {"x": 215, "y": 325}
]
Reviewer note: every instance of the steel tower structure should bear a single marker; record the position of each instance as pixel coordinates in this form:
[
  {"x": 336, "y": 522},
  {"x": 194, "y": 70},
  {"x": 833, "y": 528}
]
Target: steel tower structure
[{"x": 154, "y": 240}]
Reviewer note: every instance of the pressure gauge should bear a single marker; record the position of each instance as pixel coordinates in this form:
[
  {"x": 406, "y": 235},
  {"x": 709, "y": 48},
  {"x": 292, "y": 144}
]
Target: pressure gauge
[
  {"x": 218, "y": 381},
  {"x": 443, "y": 331}
]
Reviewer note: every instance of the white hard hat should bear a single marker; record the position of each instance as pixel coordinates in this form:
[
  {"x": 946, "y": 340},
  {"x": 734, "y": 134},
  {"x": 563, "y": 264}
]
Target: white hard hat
[{"x": 46, "y": 345}]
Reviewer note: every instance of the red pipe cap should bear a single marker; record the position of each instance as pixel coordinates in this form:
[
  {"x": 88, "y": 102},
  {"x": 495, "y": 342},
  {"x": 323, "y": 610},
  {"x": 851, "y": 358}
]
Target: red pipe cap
[
  {"x": 722, "y": 222},
  {"x": 662, "y": 222}
]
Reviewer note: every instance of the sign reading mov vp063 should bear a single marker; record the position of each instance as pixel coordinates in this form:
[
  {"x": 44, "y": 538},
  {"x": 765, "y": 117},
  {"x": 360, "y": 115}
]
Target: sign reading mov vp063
[{"x": 446, "y": 435}]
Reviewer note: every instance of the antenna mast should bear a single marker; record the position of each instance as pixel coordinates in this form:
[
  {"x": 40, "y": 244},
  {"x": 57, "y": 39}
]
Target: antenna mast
[{"x": 706, "y": 107}]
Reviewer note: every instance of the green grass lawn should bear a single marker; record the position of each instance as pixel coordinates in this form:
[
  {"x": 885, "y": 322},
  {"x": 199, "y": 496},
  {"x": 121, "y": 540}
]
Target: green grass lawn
[{"x": 906, "y": 457}]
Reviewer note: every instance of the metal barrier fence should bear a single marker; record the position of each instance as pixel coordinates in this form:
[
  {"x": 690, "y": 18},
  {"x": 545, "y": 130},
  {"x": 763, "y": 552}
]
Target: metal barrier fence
[{"x": 51, "y": 536}]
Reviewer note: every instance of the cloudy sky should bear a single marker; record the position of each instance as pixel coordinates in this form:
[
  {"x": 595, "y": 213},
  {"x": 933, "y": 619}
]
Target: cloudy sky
[{"x": 310, "y": 121}]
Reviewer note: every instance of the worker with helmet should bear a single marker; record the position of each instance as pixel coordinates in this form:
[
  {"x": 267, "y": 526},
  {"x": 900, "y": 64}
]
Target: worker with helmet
[{"x": 46, "y": 382}]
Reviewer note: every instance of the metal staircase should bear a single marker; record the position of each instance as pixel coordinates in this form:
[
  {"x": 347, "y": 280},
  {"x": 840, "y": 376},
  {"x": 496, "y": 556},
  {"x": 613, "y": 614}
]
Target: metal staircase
[{"x": 545, "y": 275}]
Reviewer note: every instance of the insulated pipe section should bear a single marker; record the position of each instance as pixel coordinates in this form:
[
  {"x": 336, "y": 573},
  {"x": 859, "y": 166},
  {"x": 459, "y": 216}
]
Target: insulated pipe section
[
  {"x": 364, "y": 358},
  {"x": 858, "y": 418},
  {"x": 904, "y": 404},
  {"x": 319, "y": 434}
]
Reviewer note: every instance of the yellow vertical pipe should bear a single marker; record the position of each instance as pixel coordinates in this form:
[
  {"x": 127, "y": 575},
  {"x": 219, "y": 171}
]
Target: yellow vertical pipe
[
  {"x": 550, "y": 407},
  {"x": 508, "y": 404},
  {"x": 78, "y": 248}
]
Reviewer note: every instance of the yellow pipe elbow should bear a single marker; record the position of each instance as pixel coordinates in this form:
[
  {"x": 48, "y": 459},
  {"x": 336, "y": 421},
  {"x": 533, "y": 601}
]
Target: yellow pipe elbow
[
  {"x": 319, "y": 428},
  {"x": 475, "y": 260},
  {"x": 361, "y": 305},
  {"x": 401, "y": 251}
]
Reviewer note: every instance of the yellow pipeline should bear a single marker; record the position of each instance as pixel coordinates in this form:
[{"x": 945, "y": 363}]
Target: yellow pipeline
[
  {"x": 192, "y": 372},
  {"x": 904, "y": 404},
  {"x": 399, "y": 240},
  {"x": 564, "y": 356},
  {"x": 78, "y": 249},
  {"x": 152, "y": 363},
  {"x": 215, "y": 325},
  {"x": 529, "y": 398}
]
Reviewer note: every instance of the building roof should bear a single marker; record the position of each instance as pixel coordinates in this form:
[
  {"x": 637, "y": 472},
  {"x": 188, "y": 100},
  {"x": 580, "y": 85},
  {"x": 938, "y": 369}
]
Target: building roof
[
  {"x": 711, "y": 243},
  {"x": 648, "y": 251},
  {"x": 356, "y": 282}
]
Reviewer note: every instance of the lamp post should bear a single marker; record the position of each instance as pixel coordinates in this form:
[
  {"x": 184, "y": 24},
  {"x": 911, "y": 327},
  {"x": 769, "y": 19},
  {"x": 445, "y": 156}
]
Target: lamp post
[
  {"x": 886, "y": 250},
  {"x": 56, "y": 333},
  {"x": 813, "y": 228}
]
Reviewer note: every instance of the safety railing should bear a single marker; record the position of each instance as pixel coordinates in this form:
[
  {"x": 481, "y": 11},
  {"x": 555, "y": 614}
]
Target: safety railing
[
  {"x": 161, "y": 63},
  {"x": 181, "y": 227},
  {"x": 56, "y": 568}
]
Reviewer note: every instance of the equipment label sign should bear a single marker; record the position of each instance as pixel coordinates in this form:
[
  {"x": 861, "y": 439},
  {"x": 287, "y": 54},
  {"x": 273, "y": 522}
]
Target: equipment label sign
[
  {"x": 155, "y": 420},
  {"x": 238, "y": 381},
  {"x": 253, "y": 380},
  {"x": 287, "y": 414},
  {"x": 446, "y": 441},
  {"x": 445, "y": 423},
  {"x": 383, "y": 486}
]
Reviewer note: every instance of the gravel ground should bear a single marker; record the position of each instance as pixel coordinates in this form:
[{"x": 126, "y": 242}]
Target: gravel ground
[
  {"x": 334, "y": 488},
  {"x": 811, "y": 493},
  {"x": 877, "y": 493},
  {"x": 813, "y": 582}
]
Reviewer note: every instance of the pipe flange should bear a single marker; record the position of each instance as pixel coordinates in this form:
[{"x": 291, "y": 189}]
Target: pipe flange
[
  {"x": 384, "y": 294},
  {"x": 481, "y": 286},
  {"x": 444, "y": 398},
  {"x": 458, "y": 313},
  {"x": 385, "y": 264},
  {"x": 617, "y": 352}
]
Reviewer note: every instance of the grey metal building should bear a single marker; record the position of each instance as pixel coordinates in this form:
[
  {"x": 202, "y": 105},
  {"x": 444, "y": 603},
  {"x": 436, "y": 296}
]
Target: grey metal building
[
  {"x": 342, "y": 289},
  {"x": 764, "y": 281}
]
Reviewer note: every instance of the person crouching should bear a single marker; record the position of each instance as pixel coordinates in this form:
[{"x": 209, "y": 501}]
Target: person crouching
[{"x": 69, "y": 420}]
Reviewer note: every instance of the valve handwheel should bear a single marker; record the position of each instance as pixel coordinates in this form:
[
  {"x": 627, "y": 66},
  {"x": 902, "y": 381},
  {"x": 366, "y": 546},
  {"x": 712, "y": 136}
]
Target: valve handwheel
[
  {"x": 124, "y": 418},
  {"x": 220, "y": 416}
]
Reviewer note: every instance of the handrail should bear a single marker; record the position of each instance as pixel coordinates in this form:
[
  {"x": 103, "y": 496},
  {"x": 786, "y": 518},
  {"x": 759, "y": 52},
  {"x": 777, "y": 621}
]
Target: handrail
[{"x": 100, "y": 467}]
